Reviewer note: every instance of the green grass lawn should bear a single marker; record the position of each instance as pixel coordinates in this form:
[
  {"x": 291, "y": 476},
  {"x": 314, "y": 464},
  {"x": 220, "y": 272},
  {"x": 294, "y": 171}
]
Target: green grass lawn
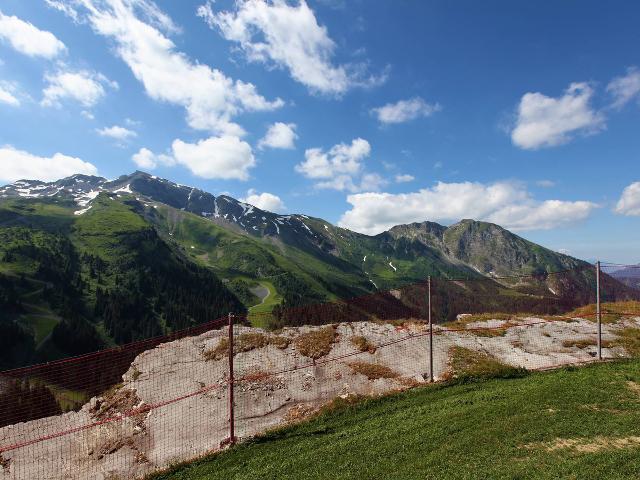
[{"x": 491, "y": 429}]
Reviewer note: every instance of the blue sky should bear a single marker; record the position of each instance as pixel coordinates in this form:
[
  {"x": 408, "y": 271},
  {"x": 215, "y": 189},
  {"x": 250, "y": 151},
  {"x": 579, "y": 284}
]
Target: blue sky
[{"x": 367, "y": 114}]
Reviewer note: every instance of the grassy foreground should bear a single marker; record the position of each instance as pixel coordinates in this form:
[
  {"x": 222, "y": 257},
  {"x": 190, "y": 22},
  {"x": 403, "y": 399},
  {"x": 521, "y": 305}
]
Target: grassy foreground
[{"x": 572, "y": 423}]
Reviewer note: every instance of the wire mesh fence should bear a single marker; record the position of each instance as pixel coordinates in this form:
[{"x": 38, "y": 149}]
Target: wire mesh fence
[{"x": 138, "y": 408}]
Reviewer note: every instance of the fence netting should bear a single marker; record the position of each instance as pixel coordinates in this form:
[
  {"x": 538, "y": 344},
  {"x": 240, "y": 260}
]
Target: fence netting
[{"x": 139, "y": 408}]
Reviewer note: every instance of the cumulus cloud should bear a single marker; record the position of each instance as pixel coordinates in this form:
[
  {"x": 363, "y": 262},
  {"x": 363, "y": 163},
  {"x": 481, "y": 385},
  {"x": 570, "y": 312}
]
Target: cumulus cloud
[
  {"x": 341, "y": 168},
  {"x": 28, "y": 39},
  {"x": 83, "y": 86},
  {"x": 629, "y": 203},
  {"x": 265, "y": 201},
  {"x": 506, "y": 203},
  {"x": 225, "y": 157},
  {"x": 625, "y": 88},
  {"x": 20, "y": 165},
  {"x": 340, "y": 159},
  {"x": 404, "y": 178},
  {"x": 7, "y": 94},
  {"x": 65, "y": 8},
  {"x": 117, "y": 133},
  {"x": 405, "y": 110},
  {"x": 146, "y": 159},
  {"x": 288, "y": 36},
  {"x": 546, "y": 121},
  {"x": 210, "y": 98},
  {"x": 279, "y": 135}
]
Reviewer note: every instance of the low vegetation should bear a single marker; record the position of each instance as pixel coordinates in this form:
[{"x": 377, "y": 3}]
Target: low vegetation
[
  {"x": 245, "y": 342},
  {"x": 316, "y": 343},
  {"x": 466, "y": 364},
  {"x": 611, "y": 312},
  {"x": 535, "y": 427},
  {"x": 363, "y": 344},
  {"x": 373, "y": 371}
]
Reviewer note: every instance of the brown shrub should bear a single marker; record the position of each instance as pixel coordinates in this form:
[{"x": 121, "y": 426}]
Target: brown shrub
[
  {"x": 245, "y": 343},
  {"x": 469, "y": 364},
  {"x": 279, "y": 341},
  {"x": 363, "y": 344},
  {"x": 373, "y": 371},
  {"x": 584, "y": 343},
  {"x": 218, "y": 352},
  {"x": 317, "y": 343},
  {"x": 249, "y": 341}
]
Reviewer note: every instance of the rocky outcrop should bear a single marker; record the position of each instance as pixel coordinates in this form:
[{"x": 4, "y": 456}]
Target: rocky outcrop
[{"x": 172, "y": 404}]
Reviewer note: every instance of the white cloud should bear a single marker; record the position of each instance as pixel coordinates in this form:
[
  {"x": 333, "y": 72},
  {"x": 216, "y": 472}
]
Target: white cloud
[
  {"x": 279, "y": 135},
  {"x": 546, "y": 121},
  {"x": 405, "y": 110},
  {"x": 116, "y": 132},
  {"x": 341, "y": 168},
  {"x": 506, "y": 203},
  {"x": 20, "y": 165},
  {"x": 145, "y": 158},
  {"x": 340, "y": 159},
  {"x": 210, "y": 98},
  {"x": 28, "y": 39},
  {"x": 223, "y": 157},
  {"x": 624, "y": 89},
  {"x": 404, "y": 178},
  {"x": 83, "y": 86},
  {"x": 629, "y": 203},
  {"x": 7, "y": 94},
  {"x": 67, "y": 9},
  {"x": 289, "y": 37},
  {"x": 265, "y": 201}
]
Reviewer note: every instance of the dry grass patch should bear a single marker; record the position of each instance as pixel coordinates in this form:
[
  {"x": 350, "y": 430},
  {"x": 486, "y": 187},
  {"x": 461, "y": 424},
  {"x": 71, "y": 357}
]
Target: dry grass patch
[
  {"x": 629, "y": 339},
  {"x": 363, "y": 344},
  {"x": 373, "y": 371},
  {"x": 470, "y": 364},
  {"x": 586, "y": 445},
  {"x": 634, "y": 387},
  {"x": 500, "y": 331},
  {"x": 218, "y": 352},
  {"x": 317, "y": 343},
  {"x": 611, "y": 312},
  {"x": 582, "y": 343},
  {"x": 245, "y": 343}
]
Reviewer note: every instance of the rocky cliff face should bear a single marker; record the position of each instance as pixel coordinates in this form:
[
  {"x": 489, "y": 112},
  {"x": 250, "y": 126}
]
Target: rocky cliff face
[{"x": 180, "y": 393}]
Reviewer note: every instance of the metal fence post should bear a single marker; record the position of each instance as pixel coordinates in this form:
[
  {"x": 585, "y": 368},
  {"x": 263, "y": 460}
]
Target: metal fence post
[
  {"x": 232, "y": 430},
  {"x": 598, "y": 313},
  {"x": 430, "y": 332}
]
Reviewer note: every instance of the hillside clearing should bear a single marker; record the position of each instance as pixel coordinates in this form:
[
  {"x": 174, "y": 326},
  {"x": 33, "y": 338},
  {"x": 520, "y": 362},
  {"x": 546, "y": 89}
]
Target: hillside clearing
[{"x": 560, "y": 424}]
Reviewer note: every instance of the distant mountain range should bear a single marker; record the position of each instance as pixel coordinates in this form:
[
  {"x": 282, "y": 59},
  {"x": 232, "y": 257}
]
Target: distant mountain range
[
  {"x": 87, "y": 262},
  {"x": 630, "y": 275}
]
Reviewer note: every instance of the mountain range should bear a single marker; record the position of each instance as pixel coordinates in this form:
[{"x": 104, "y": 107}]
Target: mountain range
[{"x": 87, "y": 262}]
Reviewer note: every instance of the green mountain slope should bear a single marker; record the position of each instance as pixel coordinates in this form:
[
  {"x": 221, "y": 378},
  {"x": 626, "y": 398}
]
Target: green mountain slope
[
  {"x": 87, "y": 262},
  {"x": 71, "y": 284}
]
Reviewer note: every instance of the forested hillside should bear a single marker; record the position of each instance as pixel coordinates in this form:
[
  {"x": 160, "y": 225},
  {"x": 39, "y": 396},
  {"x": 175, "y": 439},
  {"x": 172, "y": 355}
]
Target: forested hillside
[{"x": 87, "y": 263}]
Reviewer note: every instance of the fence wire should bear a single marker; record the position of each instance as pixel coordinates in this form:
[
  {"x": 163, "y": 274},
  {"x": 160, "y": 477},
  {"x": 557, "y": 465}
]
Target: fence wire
[{"x": 135, "y": 409}]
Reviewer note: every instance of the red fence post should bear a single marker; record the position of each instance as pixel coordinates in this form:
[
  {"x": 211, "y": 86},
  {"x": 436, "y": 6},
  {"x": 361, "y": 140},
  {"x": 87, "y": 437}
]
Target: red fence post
[{"x": 232, "y": 432}]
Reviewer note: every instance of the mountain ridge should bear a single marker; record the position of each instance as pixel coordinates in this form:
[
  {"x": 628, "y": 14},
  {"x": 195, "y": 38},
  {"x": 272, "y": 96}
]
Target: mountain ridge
[{"x": 137, "y": 256}]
